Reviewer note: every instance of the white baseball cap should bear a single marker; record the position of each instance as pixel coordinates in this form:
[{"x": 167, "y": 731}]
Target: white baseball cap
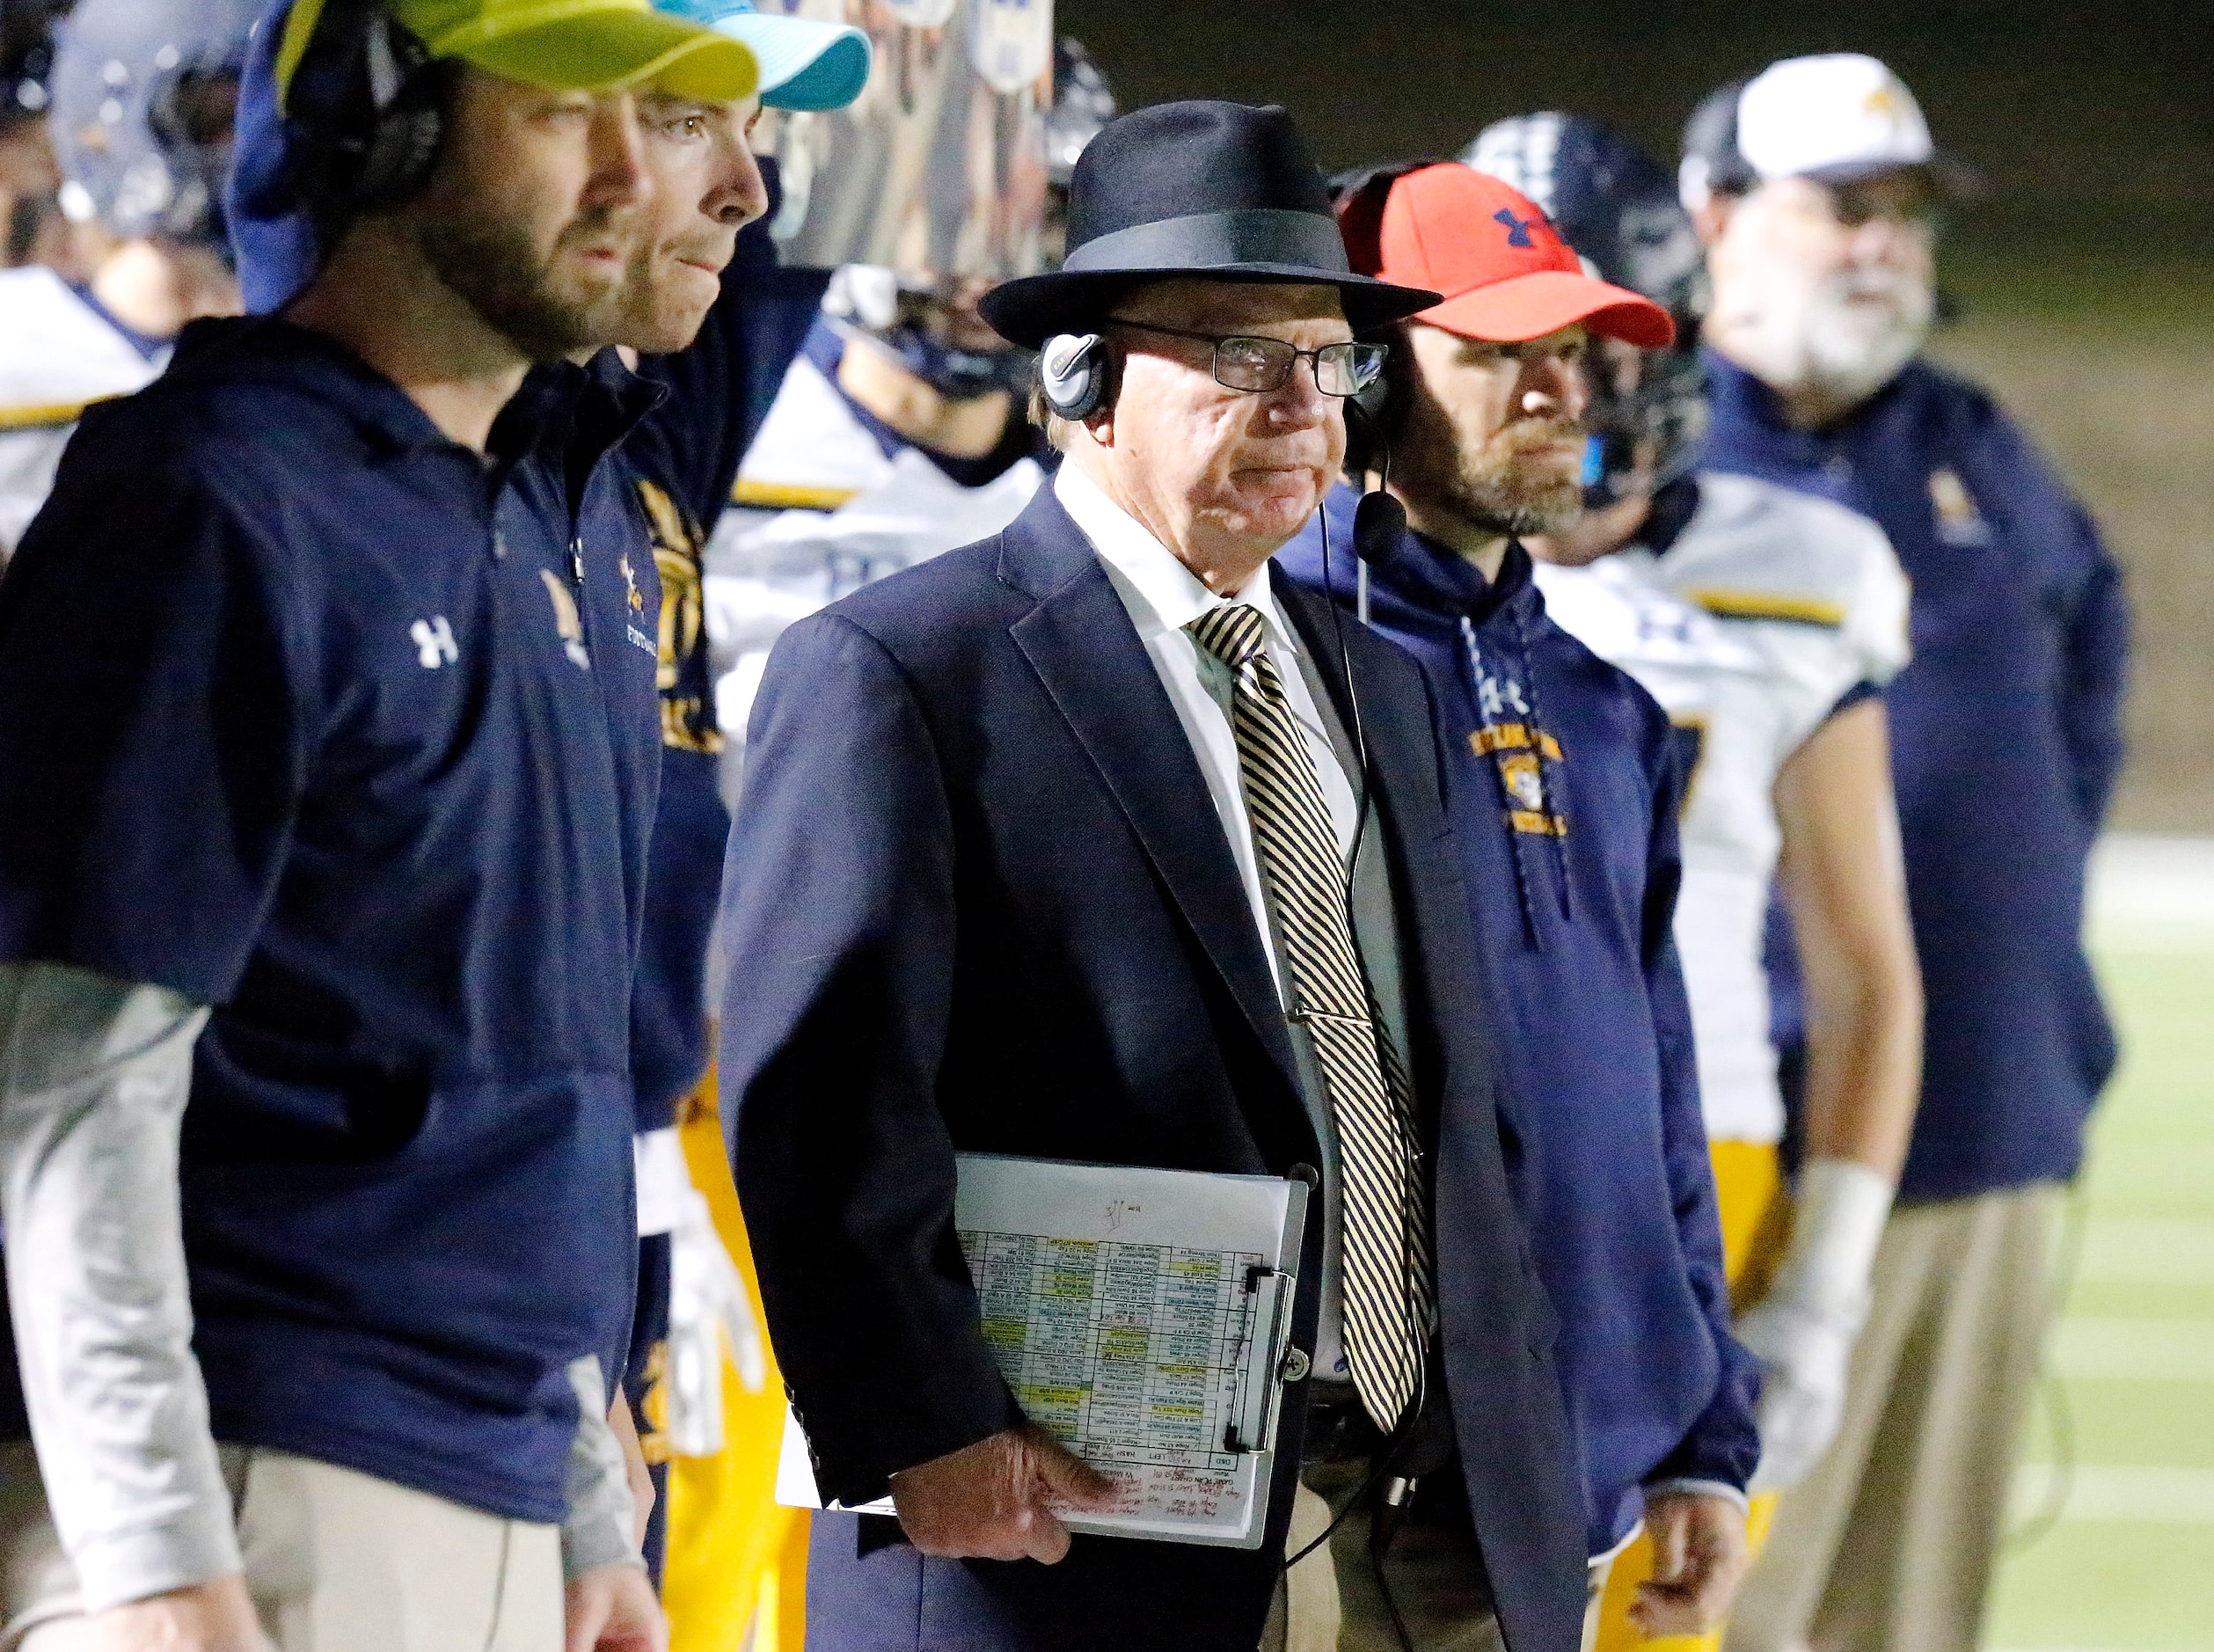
[{"x": 1838, "y": 117}]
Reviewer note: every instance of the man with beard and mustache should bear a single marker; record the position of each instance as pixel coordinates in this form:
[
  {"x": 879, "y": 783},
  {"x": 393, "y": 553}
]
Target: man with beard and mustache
[
  {"x": 337, "y": 820},
  {"x": 1563, "y": 785},
  {"x": 1766, "y": 622},
  {"x": 1814, "y": 186}
]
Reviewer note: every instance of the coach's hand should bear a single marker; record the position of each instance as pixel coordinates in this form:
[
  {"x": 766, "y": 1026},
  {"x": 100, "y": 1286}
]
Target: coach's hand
[
  {"x": 211, "y": 1617},
  {"x": 612, "y": 1609},
  {"x": 1699, "y": 1560},
  {"x": 993, "y": 1501}
]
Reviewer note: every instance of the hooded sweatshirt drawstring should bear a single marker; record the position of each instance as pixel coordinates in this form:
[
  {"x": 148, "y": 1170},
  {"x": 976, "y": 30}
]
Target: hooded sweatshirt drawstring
[
  {"x": 1525, "y": 878},
  {"x": 1556, "y": 828}
]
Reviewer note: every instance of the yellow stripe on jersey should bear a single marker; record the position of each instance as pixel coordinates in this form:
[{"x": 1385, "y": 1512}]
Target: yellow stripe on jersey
[
  {"x": 46, "y": 415},
  {"x": 1510, "y": 737},
  {"x": 1798, "y": 610},
  {"x": 788, "y": 495}
]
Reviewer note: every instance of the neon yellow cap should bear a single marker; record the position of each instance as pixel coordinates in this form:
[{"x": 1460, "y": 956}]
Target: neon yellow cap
[{"x": 563, "y": 45}]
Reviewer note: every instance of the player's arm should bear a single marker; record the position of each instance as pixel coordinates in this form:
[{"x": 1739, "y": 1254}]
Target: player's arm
[{"x": 1842, "y": 876}]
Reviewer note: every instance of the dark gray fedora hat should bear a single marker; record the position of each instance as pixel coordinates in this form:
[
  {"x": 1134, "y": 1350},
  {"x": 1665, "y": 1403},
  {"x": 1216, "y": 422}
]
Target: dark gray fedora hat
[{"x": 1221, "y": 191}]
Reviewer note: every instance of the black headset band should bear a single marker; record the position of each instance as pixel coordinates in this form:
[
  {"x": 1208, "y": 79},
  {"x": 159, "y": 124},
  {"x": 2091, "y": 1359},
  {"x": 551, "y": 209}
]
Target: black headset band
[{"x": 367, "y": 101}]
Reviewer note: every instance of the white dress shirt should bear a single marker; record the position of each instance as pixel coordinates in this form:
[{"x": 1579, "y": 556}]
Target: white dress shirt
[{"x": 1162, "y": 596}]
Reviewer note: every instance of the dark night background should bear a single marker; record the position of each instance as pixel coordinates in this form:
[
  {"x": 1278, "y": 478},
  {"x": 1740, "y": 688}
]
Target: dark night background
[{"x": 2085, "y": 273}]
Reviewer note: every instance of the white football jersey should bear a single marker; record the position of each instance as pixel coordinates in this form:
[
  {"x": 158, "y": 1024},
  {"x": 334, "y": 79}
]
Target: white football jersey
[
  {"x": 1769, "y": 608},
  {"x": 57, "y": 356},
  {"x": 819, "y": 511}
]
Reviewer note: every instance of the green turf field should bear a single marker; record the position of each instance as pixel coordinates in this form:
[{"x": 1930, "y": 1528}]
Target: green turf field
[{"x": 2129, "y": 1566}]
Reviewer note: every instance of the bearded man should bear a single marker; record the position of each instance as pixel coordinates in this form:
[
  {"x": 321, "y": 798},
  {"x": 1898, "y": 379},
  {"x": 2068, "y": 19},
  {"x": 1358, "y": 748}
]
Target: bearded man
[
  {"x": 1563, "y": 786},
  {"x": 338, "y": 823},
  {"x": 1816, "y": 187}
]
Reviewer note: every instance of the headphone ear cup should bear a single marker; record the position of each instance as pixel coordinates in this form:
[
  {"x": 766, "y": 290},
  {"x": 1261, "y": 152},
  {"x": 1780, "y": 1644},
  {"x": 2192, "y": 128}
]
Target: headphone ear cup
[
  {"x": 1072, "y": 373},
  {"x": 409, "y": 94}
]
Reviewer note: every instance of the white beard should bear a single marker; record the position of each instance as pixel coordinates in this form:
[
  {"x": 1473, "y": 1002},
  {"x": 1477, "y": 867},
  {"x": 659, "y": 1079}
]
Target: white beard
[{"x": 1845, "y": 336}]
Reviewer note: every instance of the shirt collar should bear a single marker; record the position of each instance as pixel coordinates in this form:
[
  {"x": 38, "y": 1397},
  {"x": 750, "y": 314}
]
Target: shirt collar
[{"x": 1169, "y": 593}]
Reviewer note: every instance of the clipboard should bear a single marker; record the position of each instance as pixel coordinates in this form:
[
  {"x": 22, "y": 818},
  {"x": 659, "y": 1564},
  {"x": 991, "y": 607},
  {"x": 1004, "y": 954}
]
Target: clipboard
[{"x": 1141, "y": 1317}]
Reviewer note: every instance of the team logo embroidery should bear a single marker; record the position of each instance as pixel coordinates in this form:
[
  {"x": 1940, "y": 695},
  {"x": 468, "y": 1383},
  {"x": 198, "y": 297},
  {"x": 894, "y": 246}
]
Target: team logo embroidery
[
  {"x": 1519, "y": 770},
  {"x": 638, "y": 638},
  {"x": 1958, "y": 520},
  {"x": 688, "y": 723},
  {"x": 565, "y": 620},
  {"x": 1517, "y": 229},
  {"x": 1497, "y": 697},
  {"x": 433, "y": 640},
  {"x": 1521, "y": 757},
  {"x": 1884, "y": 100}
]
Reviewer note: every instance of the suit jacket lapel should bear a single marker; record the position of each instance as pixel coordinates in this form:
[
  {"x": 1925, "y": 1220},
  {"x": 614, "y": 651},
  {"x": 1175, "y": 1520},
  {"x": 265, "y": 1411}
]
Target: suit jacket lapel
[{"x": 1080, "y": 642}]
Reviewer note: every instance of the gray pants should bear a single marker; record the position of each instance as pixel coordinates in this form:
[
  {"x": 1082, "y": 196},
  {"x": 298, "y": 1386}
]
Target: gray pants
[
  {"x": 1889, "y": 1545},
  {"x": 1330, "y": 1602},
  {"x": 336, "y": 1561}
]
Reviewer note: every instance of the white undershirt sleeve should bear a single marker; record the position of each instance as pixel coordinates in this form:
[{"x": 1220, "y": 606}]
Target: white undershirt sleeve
[
  {"x": 598, "y": 1529},
  {"x": 93, "y": 1078}
]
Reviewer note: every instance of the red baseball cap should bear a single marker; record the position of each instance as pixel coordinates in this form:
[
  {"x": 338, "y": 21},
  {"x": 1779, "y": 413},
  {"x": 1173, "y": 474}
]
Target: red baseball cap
[{"x": 1506, "y": 274}]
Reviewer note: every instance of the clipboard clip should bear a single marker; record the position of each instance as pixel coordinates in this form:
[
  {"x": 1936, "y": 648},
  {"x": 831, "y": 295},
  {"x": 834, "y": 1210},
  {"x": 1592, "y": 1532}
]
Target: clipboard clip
[{"x": 1253, "y": 1419}]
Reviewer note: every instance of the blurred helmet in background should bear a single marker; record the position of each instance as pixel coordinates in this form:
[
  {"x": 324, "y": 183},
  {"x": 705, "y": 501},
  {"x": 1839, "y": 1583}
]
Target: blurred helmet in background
[
  {"x": 929, "y": 326},
  {"x": 30, "y": 226},
  {"x": 1618, "y": 208},
  {"x": 144, "y": 95},
  {"x": 26, "y": 57},
  {"x": 1083, "y": 102}
]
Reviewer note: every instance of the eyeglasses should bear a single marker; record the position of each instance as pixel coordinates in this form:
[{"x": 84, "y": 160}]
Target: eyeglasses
[{"x": 1259, "y": 365}]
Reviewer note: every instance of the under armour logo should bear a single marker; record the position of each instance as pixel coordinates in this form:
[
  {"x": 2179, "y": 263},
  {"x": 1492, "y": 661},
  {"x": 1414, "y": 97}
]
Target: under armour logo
[
  {"x": 1517, "y": 229},
  {"x": 433, "y": 640},
  {"x": 1496, "y": 698}
]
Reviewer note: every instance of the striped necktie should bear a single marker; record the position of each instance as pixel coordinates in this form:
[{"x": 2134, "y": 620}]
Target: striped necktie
[{"x": 1384, "y": 1262}]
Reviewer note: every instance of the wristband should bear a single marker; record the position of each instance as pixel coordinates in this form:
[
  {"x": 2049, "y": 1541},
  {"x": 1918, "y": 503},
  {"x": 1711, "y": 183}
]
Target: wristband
[{"x": 1836, "y": 1223}]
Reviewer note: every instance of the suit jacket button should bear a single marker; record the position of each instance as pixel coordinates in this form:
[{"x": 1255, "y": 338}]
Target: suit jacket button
[{"x": 1296, "y": 1365}]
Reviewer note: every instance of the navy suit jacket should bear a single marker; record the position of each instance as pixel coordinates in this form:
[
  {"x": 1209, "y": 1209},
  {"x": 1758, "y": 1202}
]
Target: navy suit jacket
[{"x": 978, "y": 899}]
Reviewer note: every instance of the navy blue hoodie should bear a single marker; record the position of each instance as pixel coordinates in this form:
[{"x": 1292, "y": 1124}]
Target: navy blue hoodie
[
  {"x": 2006, "y": 740},
  {"x": 1572, "y": 869},
  {"x": 362, "y": 752}
]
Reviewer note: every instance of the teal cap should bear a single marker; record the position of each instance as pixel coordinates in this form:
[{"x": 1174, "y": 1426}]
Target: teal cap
[{"x": 806, "y": 63}]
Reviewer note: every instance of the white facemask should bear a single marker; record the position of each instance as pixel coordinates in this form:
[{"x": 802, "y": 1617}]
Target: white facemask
[{"x": 1846, "y": 334}]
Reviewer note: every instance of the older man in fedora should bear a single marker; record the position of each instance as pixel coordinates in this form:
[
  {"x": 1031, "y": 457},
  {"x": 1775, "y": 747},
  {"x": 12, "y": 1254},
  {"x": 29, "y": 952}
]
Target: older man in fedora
[{"x": 1097, "y": 840}]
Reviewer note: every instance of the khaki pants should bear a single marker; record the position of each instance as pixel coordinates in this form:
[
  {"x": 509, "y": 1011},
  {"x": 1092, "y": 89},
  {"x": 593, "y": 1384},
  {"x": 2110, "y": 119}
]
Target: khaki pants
[
  {"x": 1330, "y": 1602},
  {"x": 336, "y": 1561},
  {"x": 1889, "y": 1545}
]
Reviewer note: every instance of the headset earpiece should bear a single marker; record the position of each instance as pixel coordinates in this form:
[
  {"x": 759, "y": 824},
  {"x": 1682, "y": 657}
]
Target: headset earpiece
[
  {"x": 407, "y": 92},
  {"x": 371, "y": 101},
  {"x": 1072, "y": 373}
]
